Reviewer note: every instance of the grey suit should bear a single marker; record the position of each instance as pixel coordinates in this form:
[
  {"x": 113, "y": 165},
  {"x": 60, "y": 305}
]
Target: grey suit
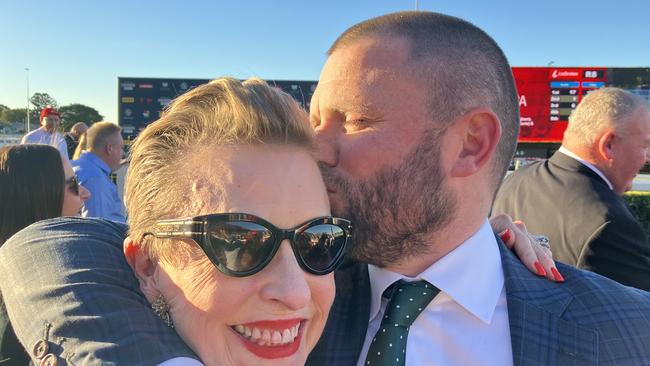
[
  {"x": 588, "y": 224},
  {"x": 75, "y": 266}
]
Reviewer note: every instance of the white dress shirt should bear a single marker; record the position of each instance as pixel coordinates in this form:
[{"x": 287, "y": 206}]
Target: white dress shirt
[
  {"x": 467, "y": 322},
  {"x": 40, "y": 136},
  {"x": 584, "y": 162}
]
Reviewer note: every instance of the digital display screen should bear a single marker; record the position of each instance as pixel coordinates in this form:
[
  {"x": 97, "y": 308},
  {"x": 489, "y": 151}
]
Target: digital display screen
[
  {"x": 547, "y": 96},
  {"x": 142, "y": 100}
]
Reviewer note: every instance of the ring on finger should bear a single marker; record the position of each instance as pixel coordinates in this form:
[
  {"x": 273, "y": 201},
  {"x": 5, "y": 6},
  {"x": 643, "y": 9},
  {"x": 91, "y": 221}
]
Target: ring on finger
[{"x": 542, "y": 241}]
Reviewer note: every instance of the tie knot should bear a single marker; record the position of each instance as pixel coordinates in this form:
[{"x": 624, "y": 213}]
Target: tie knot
[{"x": 407, "y": 301}]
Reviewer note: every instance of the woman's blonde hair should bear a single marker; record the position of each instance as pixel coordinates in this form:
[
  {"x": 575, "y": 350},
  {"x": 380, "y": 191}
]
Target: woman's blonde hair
[
  {"x": 81, "y": 147},
  {"x": 223, "y": 112}
]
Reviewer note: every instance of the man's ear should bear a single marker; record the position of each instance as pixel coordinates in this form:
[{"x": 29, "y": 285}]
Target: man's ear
[
  {"x": 605, "y": 144},
  {"x": 143, "y": 268},
  {"x": 479, "y": 131}
]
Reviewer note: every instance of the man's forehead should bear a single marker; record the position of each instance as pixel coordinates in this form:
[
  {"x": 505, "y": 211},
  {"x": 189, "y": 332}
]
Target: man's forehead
[{"x": 358, "y": 85}]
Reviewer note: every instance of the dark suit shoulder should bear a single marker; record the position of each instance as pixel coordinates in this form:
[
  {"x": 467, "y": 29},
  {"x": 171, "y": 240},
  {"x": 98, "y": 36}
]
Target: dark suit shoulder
[
  {"x": 588, "y": 319},
  {"x": 93, "y": 311},
  {"x": 588, "y": 286}
]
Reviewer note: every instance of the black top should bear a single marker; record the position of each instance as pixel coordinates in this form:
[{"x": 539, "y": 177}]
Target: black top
[{"x": 72, "y": 143}]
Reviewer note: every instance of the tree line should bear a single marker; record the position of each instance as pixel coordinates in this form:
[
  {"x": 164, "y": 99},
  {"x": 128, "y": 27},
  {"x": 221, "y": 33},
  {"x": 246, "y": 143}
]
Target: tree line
[{"x": 70, "y": 114}]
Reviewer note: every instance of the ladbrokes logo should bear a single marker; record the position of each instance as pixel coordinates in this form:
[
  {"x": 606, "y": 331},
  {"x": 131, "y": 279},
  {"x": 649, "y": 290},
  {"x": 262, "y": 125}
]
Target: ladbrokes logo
[{"x": 565, "y": 74}]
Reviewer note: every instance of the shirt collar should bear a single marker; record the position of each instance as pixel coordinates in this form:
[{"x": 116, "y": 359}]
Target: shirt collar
[
  {"x": 584, "y": 162},
  {"x": 471, "y": 275},
  {"x": 96, "y": 160}
]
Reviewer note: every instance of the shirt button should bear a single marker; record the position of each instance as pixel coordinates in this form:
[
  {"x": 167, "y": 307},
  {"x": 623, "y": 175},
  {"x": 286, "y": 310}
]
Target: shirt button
[
  {"x": 40, "y": 349},
  {"x": 49, "y": 360}
]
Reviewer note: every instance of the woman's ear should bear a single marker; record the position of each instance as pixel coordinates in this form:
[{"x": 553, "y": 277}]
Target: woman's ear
[
  {"x": 479, "y": 132},
  {"x": 143, "y": 268}
]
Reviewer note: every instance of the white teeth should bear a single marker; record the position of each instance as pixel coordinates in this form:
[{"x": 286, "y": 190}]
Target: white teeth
[
  {"x": 277, "y": 337},
  {"x": 286, "y": 336},
  {"x": 256, "y": 334},
  {"x": 268, "y": 337}
]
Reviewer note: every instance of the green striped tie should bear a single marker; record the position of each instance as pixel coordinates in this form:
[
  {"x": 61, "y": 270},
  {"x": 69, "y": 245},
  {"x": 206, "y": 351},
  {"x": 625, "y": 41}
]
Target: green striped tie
[{"x": 407, "y": 300}]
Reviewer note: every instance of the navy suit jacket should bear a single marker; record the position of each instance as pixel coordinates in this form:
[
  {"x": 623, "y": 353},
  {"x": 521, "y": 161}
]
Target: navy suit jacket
[
  {"x": 588, "y": 320},
  {"x": 63, "y": 285}
]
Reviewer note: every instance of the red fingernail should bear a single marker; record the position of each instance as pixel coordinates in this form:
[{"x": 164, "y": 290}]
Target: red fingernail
[
  {"x": 540, "y": 269},
  {"x": 506, "y": 235},
  {"x": 558, "y": 277}
]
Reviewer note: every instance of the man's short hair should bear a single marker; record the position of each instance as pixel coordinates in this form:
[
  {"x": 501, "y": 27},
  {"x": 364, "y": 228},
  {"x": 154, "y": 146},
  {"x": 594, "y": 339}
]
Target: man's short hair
[
  {"x": 77, "y": 126},
  {"x": 600, "y": 110},
  {"x": 99, "y": 134},
  {"x": 463, "y": 67}
]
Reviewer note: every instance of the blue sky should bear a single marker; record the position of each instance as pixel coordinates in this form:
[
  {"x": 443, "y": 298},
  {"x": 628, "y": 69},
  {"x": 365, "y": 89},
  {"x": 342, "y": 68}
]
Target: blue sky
[{"x": 75, "y": 49}]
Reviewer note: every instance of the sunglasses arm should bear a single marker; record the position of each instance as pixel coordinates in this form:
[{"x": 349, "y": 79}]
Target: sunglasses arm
[{"x": 183, "y": 228}]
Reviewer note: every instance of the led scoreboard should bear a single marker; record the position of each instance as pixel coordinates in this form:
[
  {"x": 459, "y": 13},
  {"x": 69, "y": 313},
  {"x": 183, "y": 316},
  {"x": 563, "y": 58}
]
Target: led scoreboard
[
  {"x": 547, "y": 96},
  {"x": 142, "y": 100}
]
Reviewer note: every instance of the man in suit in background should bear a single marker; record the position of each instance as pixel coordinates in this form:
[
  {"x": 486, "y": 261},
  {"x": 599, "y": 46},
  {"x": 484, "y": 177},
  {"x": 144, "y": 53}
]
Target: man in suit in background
[
  {"x": 416, "y": 121},
  {"x": 576, "y": 195}
]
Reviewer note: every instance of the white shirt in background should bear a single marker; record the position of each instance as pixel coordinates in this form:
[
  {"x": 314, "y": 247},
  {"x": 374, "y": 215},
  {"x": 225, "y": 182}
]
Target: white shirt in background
[{"x": 40, "y": 136}]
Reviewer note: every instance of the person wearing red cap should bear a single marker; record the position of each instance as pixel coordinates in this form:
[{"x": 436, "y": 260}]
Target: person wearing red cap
[{"x": 48, "y": 133}]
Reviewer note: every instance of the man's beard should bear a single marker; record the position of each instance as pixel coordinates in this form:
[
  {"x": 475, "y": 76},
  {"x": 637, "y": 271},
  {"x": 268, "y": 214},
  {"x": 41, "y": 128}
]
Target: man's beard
[{"x": 395, "y": 212}]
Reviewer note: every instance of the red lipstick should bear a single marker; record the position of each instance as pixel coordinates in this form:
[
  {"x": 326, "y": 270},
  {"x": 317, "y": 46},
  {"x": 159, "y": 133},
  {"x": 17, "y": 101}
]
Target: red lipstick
[{"x": 271, "y": 351}]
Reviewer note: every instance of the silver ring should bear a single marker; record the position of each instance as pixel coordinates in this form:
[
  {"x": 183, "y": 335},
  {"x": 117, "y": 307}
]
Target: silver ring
[{"x": 542, "y": 241}]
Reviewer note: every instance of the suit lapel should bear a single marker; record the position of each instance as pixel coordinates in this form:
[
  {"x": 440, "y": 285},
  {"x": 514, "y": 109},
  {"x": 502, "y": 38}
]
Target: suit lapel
[{"x": 539, "y": 333}]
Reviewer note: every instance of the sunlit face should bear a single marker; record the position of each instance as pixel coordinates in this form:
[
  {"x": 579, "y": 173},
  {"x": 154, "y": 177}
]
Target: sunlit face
[
  {"x": 51, "y": 122},
  {"x": 381, "y": 161},
  {"x": 114, "y": 157},
  {"x": 210, "y": 310},
  {"x": 631, "y": 151},
  {"x": 72, "y": 202}
]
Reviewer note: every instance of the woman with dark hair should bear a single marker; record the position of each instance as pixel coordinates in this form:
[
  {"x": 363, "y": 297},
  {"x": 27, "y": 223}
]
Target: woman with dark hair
[{"x": 35, "y": 184}]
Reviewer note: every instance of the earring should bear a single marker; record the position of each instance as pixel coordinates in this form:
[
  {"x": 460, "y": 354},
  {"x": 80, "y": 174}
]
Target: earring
[{"x": 161, "y": 309}]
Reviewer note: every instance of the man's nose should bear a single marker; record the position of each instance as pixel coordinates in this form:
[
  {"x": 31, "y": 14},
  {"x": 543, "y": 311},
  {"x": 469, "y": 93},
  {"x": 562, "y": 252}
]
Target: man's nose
[
  {"x": 286, "y": 283},
  {"x": 327, "y": 138}
]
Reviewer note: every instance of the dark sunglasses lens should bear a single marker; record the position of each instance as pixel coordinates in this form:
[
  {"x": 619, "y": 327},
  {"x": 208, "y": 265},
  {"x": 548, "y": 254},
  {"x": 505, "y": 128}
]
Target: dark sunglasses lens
[
  {"x": 238, "y": 246},
  {"x": 320, "y": 246},
  {"x": 73, "y": 185}
]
